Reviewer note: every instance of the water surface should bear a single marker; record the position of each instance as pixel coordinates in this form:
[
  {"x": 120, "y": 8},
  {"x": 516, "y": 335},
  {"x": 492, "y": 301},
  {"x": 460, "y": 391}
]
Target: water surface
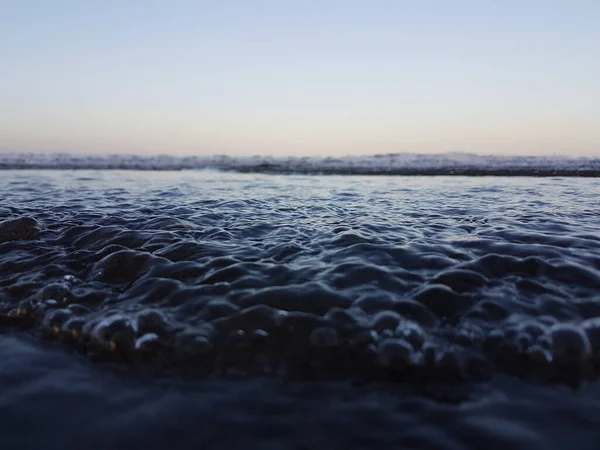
[{"x": 236, "y": 310}]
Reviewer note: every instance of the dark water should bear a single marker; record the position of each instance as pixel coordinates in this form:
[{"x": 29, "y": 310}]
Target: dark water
[{"x": 210, "y": 310}]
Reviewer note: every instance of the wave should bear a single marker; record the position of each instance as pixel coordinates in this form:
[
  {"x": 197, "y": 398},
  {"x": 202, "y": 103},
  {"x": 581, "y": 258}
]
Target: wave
[{"x": 381, "y": 164}]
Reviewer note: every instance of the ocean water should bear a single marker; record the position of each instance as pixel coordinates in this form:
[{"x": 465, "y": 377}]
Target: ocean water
[
  {"x": 202, "y": 309},
  {"x": 457, "y": 163}
]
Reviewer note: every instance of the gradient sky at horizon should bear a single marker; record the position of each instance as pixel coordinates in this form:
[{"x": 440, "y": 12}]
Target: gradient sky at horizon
[{"x": 300, "y": 77}]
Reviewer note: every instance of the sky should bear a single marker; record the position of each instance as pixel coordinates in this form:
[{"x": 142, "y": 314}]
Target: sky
[{"x": 300, "y": 77}]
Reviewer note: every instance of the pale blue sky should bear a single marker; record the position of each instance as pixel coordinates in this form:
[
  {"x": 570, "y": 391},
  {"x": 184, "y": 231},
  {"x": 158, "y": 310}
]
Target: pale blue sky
[{"x": 300, "y": 76}]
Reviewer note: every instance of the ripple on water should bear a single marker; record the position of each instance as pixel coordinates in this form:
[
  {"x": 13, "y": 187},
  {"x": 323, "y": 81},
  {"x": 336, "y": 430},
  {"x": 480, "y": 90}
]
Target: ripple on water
[{"x": 422, "y": 289}]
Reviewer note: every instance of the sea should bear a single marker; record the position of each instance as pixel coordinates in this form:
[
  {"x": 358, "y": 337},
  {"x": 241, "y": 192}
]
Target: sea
[{"x": 215, "y": 308}]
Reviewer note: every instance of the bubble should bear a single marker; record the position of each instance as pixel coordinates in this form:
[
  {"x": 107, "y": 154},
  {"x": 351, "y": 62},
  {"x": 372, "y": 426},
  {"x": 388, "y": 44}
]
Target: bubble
[
  {"x": 467, "y": 337},
  {"x": 341, "y": 316},
  {"x": 151, "y": 321},
  {"x": 393, "y": 350},
  {"x": 121, "y": 266},
  {"x": 78, "y": 309},
  {"x": 429, "y": 354},
  {"x": 461, "y": 280},
  {"x": 279, "y": 318},
  {"x": 544, "y": 341},
  {"x": 533, "y": 328},
  {"x": 489, "y": 310},
  {"x": 539, "y": 354},
  {"x": 374, "y": 303},
  {"x": 365, "y": 338},
  {"x": 448, "y": 361},
  {"x": 523, "y": 341},
  {"x": 203, "y": 344},
  {"x": 236, "y": 337},
  {"x": 28, "y": 307},
  {"x": 20, "y": 229},
  {"x": 251, "y": 318},
  {"x": 53, "y": 320},
  {"x": 259, "y": 336},
  {"x": 386, "y": 334},
  {"x": 570, "y": 344},
  {"x": 412, "y": 333},
  {"x": 89, "y": 325},
  {"x": 59, "y": 292},
  {"x": 219, "y": 308},
  {"x": 116, "y": 332},
  {"x": 147, "y": 342},
  {"x": 443, "y": 301},
  {"x": 194, "y": 343},
  {"x": 385, "y": 320},
  {"x": 73, "y": 327},
  {"x": 415, "y": 311}
]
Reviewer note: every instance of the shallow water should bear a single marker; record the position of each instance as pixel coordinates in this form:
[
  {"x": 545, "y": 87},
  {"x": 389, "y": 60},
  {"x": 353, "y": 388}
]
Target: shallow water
[{"x": 321, "y": 312}]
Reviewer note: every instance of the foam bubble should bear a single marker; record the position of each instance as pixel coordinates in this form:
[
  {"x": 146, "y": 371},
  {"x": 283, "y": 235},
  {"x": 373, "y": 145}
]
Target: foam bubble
[
  {"x": 385, "y": 320},
  {"x": 19, "y": 229},
  {"x": 393, "y": 351},
  {"x": 570, "y": 344}
]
